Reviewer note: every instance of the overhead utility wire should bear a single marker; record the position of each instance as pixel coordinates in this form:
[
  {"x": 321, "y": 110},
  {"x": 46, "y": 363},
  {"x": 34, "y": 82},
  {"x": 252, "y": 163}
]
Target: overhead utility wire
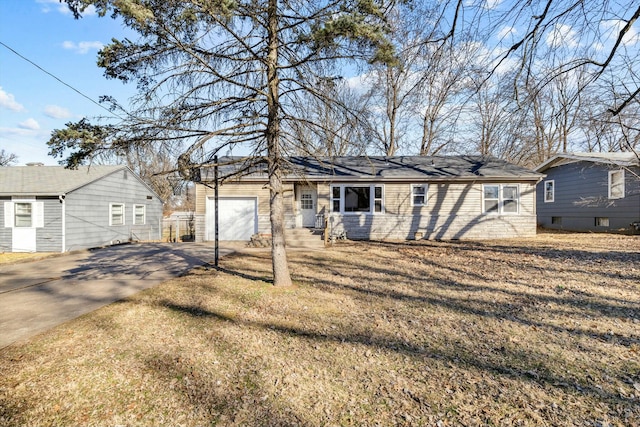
[{"x": 64, "y": 83}]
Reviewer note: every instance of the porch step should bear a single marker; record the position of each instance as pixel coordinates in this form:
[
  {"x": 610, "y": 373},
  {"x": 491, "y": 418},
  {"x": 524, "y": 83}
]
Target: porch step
[{"x": 303, "y": 238}]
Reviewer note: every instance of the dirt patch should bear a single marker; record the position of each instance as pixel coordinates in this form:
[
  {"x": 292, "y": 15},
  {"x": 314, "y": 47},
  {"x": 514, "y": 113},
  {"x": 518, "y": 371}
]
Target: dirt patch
[{"x": 542, "y": 331}]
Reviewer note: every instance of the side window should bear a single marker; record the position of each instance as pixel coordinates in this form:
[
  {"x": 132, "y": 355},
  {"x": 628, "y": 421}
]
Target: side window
[
  {"x": 23, "y": 217},
  {"x": 116, "y": 214},
  {"x": 616, "y": 184},
  {"x": 501, "y": 198},
  {"x": 139, "y": 214},
  {"x": 419, "y": 194},
  {"x": 491, "y": 197},
  {"x": 549, "y": 191}
]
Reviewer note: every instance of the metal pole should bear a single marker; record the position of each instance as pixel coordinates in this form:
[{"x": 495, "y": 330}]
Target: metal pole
[{"x": 215, "y": 198}]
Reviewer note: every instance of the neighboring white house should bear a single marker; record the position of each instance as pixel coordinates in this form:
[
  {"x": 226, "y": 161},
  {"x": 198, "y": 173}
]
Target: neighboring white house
[
  {"x": 53, "y": 209},
  {"x": 403, "y": 197}
]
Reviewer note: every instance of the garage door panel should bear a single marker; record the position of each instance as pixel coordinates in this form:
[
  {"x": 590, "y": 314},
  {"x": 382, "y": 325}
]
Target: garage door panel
[{"x": 237, "y": 216}]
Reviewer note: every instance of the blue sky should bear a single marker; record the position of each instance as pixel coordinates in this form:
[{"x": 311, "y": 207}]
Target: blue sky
[{"x": 32, "y": 103}]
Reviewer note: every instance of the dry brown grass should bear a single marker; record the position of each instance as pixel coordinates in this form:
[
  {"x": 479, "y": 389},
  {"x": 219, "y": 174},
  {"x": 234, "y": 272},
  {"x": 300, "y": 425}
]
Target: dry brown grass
[
  {"x": 543, "y": 331},
  {"x": 12, "y": 257}
]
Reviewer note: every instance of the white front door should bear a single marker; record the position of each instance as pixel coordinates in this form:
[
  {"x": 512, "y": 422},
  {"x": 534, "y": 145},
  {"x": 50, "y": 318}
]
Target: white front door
[{"x": 307, "y": 200}]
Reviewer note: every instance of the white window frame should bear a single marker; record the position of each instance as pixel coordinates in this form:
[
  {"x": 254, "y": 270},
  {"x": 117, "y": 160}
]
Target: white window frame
[
  {"x": 501, "y": 199},
  {"x": 425, "y": 195},
  {"x": 111, "y": 222},
  {"x": 144, "y": 214},
  {"x": 374, "y": 202},
  {"x": 611, "y": 184},
  {"x": 552, "y": 198},
  {"x": 16, "y": 215}
]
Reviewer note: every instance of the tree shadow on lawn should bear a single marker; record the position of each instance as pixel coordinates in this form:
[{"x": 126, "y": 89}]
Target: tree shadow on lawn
[
  {"x": 530, "y": 366},
  {"x": 576, "y": 257},
  {"x": 423, "y": 284}
]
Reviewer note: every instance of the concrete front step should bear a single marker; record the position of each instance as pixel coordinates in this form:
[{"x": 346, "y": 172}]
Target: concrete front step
[{"x": 299, "y": 238}]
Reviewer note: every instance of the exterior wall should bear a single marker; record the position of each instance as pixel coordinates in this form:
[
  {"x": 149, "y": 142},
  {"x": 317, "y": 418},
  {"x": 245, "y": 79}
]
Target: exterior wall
[
  {"x": 49, "y": 238},
  {"x": 581, "y": 196},
  {"x": 87, "y": 212},
  {"x": 5, "y": 232},
  {"x": 243, "y": 189},
  {"x": 453, "y": 211}
]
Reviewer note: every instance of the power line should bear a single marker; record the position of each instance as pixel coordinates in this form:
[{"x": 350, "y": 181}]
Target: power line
[{"x": 61, "y": 81}]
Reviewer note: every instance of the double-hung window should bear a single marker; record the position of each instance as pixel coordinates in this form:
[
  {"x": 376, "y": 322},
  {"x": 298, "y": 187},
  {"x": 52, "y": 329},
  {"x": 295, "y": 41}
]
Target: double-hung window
[
  {"x": 23, "y": 217},
  {"x": 139, "y": 213},
  {"x": 549, "y": 191},
  {"x": 116, "y": 214},
  {"x": 419, "y": 194},
  {"x": 501, "y": 198},
  {"x": 616, "y": 184},
  {"x": 354, "y": 199}
]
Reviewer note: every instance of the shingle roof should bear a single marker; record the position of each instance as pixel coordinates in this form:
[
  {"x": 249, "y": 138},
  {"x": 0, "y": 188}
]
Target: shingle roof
[
  {"x": 397, "y": 168},
  {"x": 49, "y": 180},
  {"x": 620, "y": 159}
]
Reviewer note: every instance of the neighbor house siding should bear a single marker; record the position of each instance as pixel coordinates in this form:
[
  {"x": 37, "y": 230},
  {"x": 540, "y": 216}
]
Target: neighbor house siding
[
  {"x": 453, "y": 211},
  {"x": 581, "y": 196},
  {"x": 49, "y": 237},
  {"x": 87, "y": 212},
  {"x": 5, "y": 232}
]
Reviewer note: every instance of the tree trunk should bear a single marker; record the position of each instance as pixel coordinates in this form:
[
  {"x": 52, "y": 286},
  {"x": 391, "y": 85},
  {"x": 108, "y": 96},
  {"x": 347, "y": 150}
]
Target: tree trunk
[{"x": 281, "y": 276}]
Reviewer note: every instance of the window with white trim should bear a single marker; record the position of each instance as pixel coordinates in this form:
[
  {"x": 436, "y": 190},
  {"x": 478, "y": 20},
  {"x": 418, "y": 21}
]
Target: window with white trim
[
  {"x": 116, "y": 214},
  {"x": 616, "y": 184},
  {"x": 23, "y": 217},
  {"x": 354, "y": 199},
  {"x": 139, "y": 214},
  {"x": 419, "y": 194},
  {"x": 500, "y": 198},
  {"x": 549, "y": 191}
]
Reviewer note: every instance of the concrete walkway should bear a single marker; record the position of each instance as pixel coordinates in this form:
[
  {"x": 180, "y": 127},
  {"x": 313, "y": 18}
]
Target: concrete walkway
[{"x": 36, "y": 296}]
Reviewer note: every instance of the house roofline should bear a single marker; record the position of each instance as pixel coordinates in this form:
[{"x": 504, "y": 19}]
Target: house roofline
[{"x": 583, "y": 157}]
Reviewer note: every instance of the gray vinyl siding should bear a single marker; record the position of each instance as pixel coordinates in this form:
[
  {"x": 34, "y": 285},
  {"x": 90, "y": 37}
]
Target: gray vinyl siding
[
  {"x": 49, "y": 238},
  {"x": 5, "y": 232},
  {"x": 88, "y": 212},
  {"x": 581, "y": 196}
]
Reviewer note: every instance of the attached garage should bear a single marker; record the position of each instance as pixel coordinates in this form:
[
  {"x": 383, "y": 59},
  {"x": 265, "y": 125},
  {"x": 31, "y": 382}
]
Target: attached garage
[{"x": 238, "y": 218}]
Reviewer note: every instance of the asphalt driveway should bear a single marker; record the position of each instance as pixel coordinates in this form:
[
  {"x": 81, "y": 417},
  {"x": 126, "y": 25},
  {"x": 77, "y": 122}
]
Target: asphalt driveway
[{"x": 39, "y": 295}]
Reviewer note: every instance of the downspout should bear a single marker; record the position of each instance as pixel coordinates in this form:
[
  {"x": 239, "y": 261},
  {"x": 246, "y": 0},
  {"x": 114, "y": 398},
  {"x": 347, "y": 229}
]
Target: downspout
[{"x": 64, "y": 222}]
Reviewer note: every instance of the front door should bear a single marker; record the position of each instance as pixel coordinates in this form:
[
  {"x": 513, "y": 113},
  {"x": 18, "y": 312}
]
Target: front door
[{"x": 307, "y": 200}]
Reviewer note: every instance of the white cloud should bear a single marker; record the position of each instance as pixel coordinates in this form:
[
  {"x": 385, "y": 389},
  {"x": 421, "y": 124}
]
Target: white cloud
[
  {"x": 612, "y": 29},
  {"x": 562, "y": 35},
  {"x": 82, "y": 47},
  {"x": 61, "y": 7},
  {"x": 57, "y": 112},
  {"x": 507, "y": 31},
  {"x": 491, "y": 4},
  {"x": 29, "y": 124},
  {"x": 8, "y": 101}
]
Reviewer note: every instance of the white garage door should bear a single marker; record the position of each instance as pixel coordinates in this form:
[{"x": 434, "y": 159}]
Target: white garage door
[{"x": 237, "y": 216}]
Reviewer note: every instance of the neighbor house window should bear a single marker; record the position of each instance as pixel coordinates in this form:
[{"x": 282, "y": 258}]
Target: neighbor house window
[
  {"x": 419, "y": 194},
  {"x": 500, "y": 198},
  {"x": 549, "y": 191},
  {"x": 357, "y": 199},
  {"x": 556, "y": 220},
  {"x": 116, "y": 211},
  {"x": 23, "y": 216},
  {"x": 616, "y": 184},
  {"x": 602, "y": 222},
  {"x": 139, "y": 212}
]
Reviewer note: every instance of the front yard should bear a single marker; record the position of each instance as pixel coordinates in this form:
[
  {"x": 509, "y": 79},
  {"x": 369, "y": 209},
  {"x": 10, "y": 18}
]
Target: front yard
[{"x": 534, "y": 332}]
